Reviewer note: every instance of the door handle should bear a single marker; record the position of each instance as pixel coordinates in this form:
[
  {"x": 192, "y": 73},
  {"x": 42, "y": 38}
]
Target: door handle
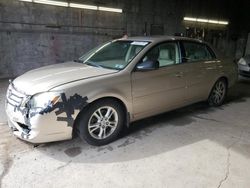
[{"x": 179, "y": 74}]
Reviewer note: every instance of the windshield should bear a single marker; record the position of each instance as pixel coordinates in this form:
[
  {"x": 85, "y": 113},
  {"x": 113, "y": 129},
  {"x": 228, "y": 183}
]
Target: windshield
[{"x": 114, "y": 55}]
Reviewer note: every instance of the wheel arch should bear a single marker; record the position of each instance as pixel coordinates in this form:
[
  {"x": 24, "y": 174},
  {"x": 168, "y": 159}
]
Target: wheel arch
[
  {"x": 219, "y": 78},
  {"x": 224, "y": 78},
  {"x": 94, "y": 100}
]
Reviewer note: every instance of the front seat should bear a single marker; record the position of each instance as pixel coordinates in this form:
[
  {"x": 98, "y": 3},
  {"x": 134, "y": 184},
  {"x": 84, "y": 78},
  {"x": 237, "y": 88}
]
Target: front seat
[
  {"x": 153, "y": 55},
  {"x": 164, "y": 58},
  {"x": 200, "y": 54}
]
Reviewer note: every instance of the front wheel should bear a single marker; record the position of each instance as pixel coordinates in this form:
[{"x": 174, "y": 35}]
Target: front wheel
[
  {"x": 218, "y": 93},
  {"x": 101, "y": 123}
]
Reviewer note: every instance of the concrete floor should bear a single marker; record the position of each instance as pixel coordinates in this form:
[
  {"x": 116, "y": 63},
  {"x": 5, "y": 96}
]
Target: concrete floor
[{"x": 196, "y": 146}]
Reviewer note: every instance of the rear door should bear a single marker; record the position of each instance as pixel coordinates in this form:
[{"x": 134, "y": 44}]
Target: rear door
[{"x": 201, "y": 69}]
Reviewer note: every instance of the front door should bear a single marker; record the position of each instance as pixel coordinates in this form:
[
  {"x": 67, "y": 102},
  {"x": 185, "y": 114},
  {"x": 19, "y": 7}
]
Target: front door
[{"x": 158, "y": 90}]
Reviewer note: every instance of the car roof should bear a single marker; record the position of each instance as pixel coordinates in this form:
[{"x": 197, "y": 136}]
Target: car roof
[{"x": 161, "y": 38}]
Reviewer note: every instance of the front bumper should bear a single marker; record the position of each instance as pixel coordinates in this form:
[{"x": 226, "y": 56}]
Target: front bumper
[
  {"x": 244, "y": 70},
  {"x": 40, "y": 128}
]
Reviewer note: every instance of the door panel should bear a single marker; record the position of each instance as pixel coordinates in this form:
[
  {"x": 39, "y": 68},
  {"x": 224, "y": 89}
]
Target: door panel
[
  {"x": 202, "y": 70},
  {"x": 200, "y": 78},
  {"x": 159, "y": 90}
]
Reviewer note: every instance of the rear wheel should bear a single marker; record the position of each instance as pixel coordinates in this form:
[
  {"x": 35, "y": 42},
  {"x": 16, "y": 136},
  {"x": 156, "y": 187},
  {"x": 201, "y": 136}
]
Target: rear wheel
[
  {"x": 101, "y": 123},
  {"x": 218, "y": 93}
]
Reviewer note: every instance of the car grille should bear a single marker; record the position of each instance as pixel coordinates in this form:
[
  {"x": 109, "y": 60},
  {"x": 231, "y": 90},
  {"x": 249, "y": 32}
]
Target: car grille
[{"x": 14, "y": 97}]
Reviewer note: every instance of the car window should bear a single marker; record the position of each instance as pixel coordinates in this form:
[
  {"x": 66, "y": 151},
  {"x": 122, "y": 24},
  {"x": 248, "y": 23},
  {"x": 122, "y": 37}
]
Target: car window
[
  {"x": 166, "y": 54},
  {"x": 114, "y": 51},
  {"x": 196, "y": 52},
  {"x": 114, "y": 55}
]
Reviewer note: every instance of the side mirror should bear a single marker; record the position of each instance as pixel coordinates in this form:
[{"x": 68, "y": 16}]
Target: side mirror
[{"x": 147, "y": 65}]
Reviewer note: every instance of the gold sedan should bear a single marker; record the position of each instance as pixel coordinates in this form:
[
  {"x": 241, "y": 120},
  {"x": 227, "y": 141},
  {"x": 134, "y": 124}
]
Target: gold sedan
[{"x": 114, "y": 84}]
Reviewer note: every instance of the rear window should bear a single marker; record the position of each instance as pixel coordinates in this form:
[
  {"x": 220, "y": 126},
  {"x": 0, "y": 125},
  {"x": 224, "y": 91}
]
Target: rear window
[{"x": 197, "y": 52}]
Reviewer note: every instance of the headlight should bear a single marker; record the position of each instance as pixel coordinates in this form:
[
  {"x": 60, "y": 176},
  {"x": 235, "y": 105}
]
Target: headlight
[
  {"x": 25, "y": 101},
  {"x": 43, "y": 101},
  {"x": 242, "y": 61}
]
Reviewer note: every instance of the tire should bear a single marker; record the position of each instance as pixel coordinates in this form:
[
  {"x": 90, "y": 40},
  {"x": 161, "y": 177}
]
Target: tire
[
  {"x": 218, "y": 93},
  {"x": 101, "y": 123}
]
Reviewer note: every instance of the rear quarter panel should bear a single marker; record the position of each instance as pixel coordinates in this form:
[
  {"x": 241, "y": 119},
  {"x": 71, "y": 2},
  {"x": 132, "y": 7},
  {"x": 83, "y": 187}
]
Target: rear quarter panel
[{"x": 227, "y": 68}]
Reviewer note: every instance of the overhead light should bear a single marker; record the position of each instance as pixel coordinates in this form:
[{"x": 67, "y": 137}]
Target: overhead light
[
  {"x": 202, "y": 20},
  {"x": 26, "y": 0},
  {"x": 190, "y": 19},
  {"x": 213, "y": 21},
  {"x": 75, "y": 5},
  {"x": 49, "y": 2},
  {"x": 110, "y": 9},
  {"x": 223, "y": 22}
]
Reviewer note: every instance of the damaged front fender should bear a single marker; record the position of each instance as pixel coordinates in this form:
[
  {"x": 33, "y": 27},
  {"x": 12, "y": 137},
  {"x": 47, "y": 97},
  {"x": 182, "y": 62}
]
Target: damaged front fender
[
  {"x": 64, "y": 108},
  {"x": 52, "y": 122}
]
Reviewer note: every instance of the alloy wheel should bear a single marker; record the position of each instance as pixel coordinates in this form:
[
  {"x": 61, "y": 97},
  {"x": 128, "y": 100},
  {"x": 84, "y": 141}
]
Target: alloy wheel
[
  {"x": 218, "y": 93},
  {"x": 103, "y": 122}
]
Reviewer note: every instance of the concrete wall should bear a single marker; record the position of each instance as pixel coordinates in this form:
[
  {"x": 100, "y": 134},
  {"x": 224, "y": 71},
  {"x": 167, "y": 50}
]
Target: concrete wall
[{"x": 34, "y": 35}]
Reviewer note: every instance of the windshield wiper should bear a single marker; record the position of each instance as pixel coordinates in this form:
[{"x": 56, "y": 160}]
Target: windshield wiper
[
  {"x": 93, "y": 64},
  {"x": 78, "y": 61}
]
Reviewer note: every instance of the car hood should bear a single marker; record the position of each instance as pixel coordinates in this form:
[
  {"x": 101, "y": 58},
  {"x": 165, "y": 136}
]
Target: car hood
[{"x": 48, "y": 77}]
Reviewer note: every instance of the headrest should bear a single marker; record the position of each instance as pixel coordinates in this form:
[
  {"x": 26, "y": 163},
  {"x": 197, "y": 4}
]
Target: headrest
[
  {"x": 153, "y": 54},
  {"x": 164, "y": 54},
  {"x": 200, "y": 54}
]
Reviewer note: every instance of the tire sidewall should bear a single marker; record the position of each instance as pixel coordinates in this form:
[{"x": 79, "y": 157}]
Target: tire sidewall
[
  {"x": 210, "y": 101},
  {"x": 87, "y": 113}
]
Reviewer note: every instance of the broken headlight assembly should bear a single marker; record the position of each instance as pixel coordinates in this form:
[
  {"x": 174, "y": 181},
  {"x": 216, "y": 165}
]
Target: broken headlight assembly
[{"x": 43, "y": 102}]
